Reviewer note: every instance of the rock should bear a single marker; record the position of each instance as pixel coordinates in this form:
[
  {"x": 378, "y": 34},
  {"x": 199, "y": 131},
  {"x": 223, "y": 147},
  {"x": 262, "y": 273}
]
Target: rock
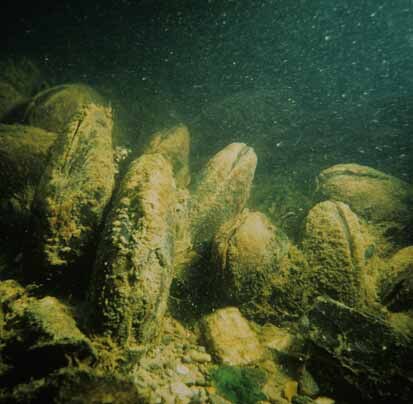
[
  {"x": 280, "y": 340},
  {"x": 38, "y": 336},
  {"x": 230, "y": 338},
  {"x": 51, "y": 325},
  {"x": 360, "y": 354},
  {"x": 55, "y": 108},
  {"x": 181, "y": 390},
  {"x": 222, "y": 190},
  {"x": 76, "y": 386},
  {"x": 134, "y": 266},
  {"x": 302, "y": 399},
  {"x": 23, "y": 157},
  {"x": 376, "y": 197},
  {"x": 290, "y": 390},
  {"x": 200, "y": 357},
  {"x": 324, "y": 400},
  {"x": 74, "y": 189},
  {"x": 216, "y": 399},
  {"x": 335, "y": 246},
  {"x": 181, "y": 369},
  {"x": 173, "y": 144},
  {"x": 247, "y": 251}
]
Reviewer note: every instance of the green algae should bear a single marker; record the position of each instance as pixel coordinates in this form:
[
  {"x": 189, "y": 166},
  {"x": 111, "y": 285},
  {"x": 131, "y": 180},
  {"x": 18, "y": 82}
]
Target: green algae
[{"x": 239, "y": 385}]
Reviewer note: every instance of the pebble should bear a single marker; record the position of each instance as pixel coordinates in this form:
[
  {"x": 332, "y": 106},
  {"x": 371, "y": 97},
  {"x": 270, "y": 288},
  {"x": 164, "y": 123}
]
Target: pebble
[
  {"x": 181, "y": 369},
  {"x": 187, "y": 359},
  {"x": 201, "y": 357},
  {"x": 181, "y": 389}
]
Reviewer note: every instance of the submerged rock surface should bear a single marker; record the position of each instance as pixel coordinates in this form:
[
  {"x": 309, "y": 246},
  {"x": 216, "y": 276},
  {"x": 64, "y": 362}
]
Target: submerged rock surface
[
  {"x": 37, "y": 335},
  {"x": 230, "y": 338},
  {"x": 362, "y": 350}
]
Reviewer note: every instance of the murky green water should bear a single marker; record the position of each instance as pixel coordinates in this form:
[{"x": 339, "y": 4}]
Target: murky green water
[{"x": 320, "y": 91}]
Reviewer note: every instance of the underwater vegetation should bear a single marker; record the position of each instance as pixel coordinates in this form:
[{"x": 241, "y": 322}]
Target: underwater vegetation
[{"x": 239, "y": 385}]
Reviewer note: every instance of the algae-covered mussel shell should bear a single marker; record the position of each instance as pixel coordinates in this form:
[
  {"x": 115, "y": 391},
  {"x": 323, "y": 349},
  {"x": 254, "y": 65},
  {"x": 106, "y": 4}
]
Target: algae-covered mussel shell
[
  {"x": 10, "y": 99},
  {"x": 376, "y": 197},
  {"x": 334, "y": 243},
  {"x": 247, "y": 251},
  {"x": 134, "y": 266},
  {"x": 221, "y": 191},
  {"x": 23, "y": 158},
  {"x": 174, "y": 144},
  {"x": 54, "y": 108},
  {"x": 20, "y": 78},
  {"x": 74, "y": 189},
  {"x": 396, "y": 290}
]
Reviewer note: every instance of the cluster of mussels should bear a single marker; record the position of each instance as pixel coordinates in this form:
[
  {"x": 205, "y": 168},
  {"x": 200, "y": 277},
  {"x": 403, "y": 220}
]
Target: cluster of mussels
[{"x": 131, "y": 234}]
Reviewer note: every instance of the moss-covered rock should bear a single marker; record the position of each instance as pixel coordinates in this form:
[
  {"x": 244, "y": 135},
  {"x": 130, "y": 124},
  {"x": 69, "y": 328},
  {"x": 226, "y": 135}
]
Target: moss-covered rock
[
  {"x": 359, "y": 355},
  {"x": 378, "y": 198},
  {"x": 37, "y": 336},
  {"x": 247, "y": 252},
  {"x": 74, "y": 189},
  {"x": 134, "y": 266},
  {"x": 221, "y": 191},
  {"x": 73, "y": 385},
  {"x": 23, "y": 158},
  {"x": 173, "y": 144},
  {"x": 335, "y": 245}
]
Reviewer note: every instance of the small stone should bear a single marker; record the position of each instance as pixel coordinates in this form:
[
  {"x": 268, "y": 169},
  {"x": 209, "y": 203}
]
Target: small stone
[
  {"x": 181, "y": 389},
  {"x": 231, "y": 338},
  {"x": 290, "y": 390},
  {"x": 324, "y": 400},
  {"x": 187, "y": 359},
  {"x": 199, "y": 395},
  {"x": 201, "y": 357},
  {"x": 181, "y": 369}
]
